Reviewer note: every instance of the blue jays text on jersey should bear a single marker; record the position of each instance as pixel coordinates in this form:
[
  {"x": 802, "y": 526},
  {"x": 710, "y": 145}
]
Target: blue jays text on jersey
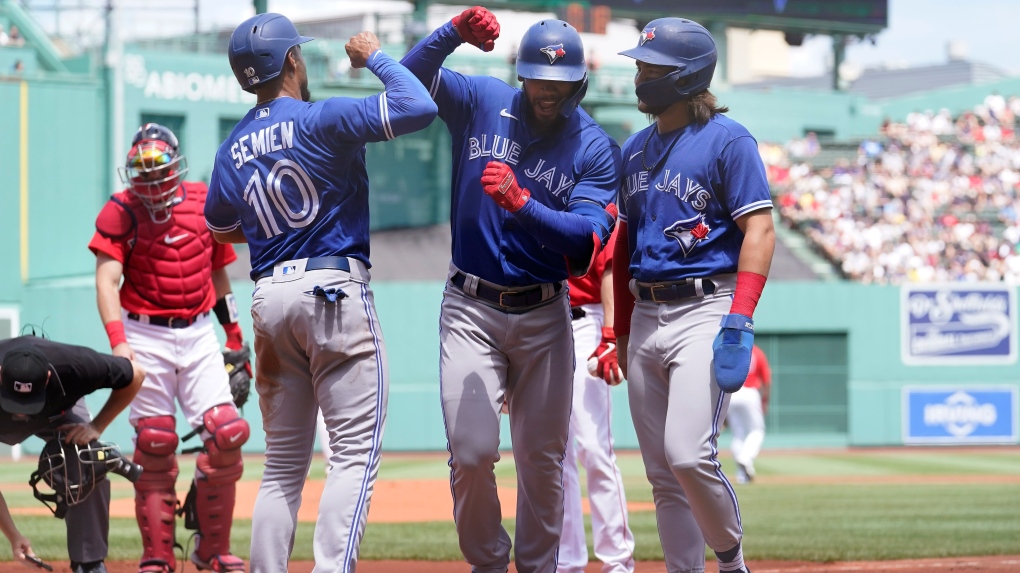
[
  {"x": 575, "y": 169},
  {"x": 681, "y": 212},
  {"x": 292, "y": 174}
]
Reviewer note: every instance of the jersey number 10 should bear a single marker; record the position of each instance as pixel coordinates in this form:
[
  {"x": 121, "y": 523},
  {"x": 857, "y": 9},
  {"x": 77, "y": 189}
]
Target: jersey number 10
[{"x": 260, "y": 195}]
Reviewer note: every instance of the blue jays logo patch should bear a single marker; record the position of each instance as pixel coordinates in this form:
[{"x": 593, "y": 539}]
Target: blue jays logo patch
[
  {"x": 554, "y": 52},
  {"x": 647, "y": 35},
  {"x": 689, "y": 232}
]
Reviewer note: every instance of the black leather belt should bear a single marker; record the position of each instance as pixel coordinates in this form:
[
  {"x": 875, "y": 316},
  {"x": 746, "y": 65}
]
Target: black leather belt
[
  {"x": 672, "y": 292},
  {"x": 577, "y": 312},
  {"x": 166, "y": 322},
  {"x": 505, "y": 299},
  {"x": 317, "y": 264}
]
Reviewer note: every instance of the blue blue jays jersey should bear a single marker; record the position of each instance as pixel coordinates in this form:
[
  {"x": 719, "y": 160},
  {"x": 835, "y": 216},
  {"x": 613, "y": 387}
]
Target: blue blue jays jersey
[
  {"x": 681, "y": 194},
  {"x": 292, "y": 174},
  {"x": 575, "y": 169}
]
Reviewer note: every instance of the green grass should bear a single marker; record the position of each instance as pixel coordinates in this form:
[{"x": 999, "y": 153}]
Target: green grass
[{"x": 816, "y": 521}]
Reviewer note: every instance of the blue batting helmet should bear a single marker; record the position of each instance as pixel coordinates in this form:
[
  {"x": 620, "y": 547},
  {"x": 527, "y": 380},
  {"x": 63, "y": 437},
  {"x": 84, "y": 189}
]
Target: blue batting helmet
[
  {"x": 258, "y": 48},
  {"x": 683, "y": 44},
  {"x": 552, "y": 50}
]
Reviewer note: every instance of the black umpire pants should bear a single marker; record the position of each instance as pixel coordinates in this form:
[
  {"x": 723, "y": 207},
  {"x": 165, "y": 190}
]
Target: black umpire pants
[{"x": 88, "y": 523}]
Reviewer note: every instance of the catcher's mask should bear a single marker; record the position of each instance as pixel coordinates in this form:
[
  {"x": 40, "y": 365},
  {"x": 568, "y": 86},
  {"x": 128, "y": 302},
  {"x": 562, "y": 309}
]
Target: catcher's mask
[
  {"x": 154, "y": 170},
  {"x": 73, "y": 471}
]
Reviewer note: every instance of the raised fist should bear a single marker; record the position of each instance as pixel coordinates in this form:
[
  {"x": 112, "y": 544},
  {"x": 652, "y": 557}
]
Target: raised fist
[
  {"x": 360, "y": 47},
  {"x": 478, "y": 27}
]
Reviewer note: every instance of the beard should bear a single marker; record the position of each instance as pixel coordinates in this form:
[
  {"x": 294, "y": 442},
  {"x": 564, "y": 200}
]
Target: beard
[{"x": 653, "y": 111}]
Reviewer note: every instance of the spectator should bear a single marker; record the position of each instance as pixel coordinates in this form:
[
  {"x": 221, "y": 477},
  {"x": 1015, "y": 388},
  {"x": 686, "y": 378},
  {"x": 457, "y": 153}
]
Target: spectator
[
  {"x": 15, "y": 39},
  {"x": 18, "y": 67},
  {"x": 935, "y": 199},
  {"x": 4, "y": 38}
]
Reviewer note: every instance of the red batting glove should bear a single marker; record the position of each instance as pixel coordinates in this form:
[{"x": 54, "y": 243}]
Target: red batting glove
[
  {"x": 499, "y": 183},
  {"x": 233, "y": 332},
  {"x": 478, "y": 27},
  {"x": 608, "y": 363}
]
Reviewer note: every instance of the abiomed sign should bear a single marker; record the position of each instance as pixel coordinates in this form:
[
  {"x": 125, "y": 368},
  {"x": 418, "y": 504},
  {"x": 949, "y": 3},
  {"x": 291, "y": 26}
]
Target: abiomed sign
[
  {"x": 966, "y": 415},
  {"x": 191, "y": 86},
  {"x": 958, "y": 324}
]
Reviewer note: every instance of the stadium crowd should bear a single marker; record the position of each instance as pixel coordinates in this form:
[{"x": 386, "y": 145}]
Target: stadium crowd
[{"x": 937, "y": 199}]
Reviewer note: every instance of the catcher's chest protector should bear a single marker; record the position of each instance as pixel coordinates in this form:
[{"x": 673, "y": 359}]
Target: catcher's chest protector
[{"x": 169, "y": 264}]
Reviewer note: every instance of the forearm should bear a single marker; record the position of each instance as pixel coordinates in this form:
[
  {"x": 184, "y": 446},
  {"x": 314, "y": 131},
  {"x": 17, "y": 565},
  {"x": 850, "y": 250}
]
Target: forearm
[
  {"x": 623, "y": 300},
  {"x": 221, "y": 283},
  {"x": 108, "y": 300},
  {"x": 427, "y": 57},
  {"x": 563, "y": 232},
  {"x": 757, "y": 250},
  {"x": 754, "y": 262},
  {"x": 7, "y": 522},
  {"x": 608, "y": 307},
  {"x": 408, "y": 106},
  {"x": 115, "y": 404}
]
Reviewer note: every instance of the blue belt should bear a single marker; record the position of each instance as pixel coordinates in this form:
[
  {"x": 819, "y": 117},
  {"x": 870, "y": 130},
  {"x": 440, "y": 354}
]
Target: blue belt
[
  {"x": 672, "y": 292},
  {"x": 506, "y": 299},
  {"x": 317, "y": 264}
]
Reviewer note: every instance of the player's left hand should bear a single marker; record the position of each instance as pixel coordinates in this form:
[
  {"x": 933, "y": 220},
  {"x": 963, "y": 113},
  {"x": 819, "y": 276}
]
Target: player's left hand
[
  {"x": 499, "y": 183},
  {"x": 20, "y": 547},
  {"x": 238, "y": 366},
  {"x": 478, "y": 27},
  {"x": 604, "y": 362},
  {"x": 360, "y": 47},
  {"x": 80, "y": 434},
  {"x": 731, "y": 352}
]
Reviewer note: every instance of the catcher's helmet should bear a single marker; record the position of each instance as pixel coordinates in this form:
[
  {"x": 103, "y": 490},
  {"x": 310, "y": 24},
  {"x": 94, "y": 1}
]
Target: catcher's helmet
[
  {"x": 680, "y": 43},
  {"x": 258, "y": 48},
  {"x": 73, "y": 471},
  {"x": 552, "y": 50},
  {"x": 154, "y": 170}
]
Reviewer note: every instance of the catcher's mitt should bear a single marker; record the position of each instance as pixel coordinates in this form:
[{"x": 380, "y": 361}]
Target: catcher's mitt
[{"x": 238, "y": 365}]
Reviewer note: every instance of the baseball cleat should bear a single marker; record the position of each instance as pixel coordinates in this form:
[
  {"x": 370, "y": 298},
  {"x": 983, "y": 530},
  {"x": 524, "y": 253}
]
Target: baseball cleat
[{"x": 218, "y": 563}]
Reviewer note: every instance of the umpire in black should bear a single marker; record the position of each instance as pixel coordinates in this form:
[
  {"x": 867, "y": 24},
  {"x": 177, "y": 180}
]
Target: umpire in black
[{"x": 42, "y": 389}]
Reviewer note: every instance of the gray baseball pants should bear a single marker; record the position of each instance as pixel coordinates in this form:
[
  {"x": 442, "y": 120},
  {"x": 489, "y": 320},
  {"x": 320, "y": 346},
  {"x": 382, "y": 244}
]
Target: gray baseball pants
[{"x": 312, "y": 353}]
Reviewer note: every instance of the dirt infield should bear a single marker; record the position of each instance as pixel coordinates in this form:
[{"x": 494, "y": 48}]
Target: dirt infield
[{"x": 998, "y": 564}]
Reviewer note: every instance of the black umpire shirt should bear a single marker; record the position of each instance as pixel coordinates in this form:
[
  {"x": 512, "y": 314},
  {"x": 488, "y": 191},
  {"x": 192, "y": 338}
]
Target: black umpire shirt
[{"x": 81, "y": 371}]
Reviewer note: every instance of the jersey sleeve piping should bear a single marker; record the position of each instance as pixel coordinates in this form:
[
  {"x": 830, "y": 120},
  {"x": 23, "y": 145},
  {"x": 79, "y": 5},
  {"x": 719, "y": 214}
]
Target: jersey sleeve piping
[
  {"x": 763, "y": 204},
  {"x": 436, "y": 80},
  {"x": 384, "y": 113},
  {"x": 222, "y": 229}
]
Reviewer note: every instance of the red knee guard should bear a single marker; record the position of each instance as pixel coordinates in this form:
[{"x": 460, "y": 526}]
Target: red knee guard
[
  {"x": 155, "y": 498},
  {"x": 219, "y": 468}
]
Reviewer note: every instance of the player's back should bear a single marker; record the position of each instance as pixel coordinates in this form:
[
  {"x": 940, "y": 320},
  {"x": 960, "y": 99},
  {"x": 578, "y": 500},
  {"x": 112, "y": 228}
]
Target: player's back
[{"x": 297, "y": 181}]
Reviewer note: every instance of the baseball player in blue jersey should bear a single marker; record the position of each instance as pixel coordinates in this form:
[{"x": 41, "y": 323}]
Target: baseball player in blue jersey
[
  {"x": 291, "y": 182},
  {"x": 694, "y": 247},
  {"x": 532, "y": 176}
]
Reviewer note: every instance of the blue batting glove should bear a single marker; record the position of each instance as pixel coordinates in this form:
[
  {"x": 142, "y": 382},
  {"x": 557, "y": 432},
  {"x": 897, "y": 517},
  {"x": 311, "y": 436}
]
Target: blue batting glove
[{"x": 731, "y": 352}]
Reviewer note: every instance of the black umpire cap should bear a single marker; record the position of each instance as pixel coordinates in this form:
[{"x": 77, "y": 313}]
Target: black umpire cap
[{"x": 23, "y": 376}]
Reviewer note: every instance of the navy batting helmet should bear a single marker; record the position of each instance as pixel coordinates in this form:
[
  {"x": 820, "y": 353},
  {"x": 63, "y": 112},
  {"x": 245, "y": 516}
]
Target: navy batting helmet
[
  {"x": 258, "y": 48},
  {"x": 680, "y": 43},
  {"x": 552, "y": 50}
]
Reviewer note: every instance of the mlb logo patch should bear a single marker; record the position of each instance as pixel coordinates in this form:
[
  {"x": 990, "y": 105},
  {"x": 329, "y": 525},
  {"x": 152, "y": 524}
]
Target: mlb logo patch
[
  {"x": 262, "y": 113},
  {"x": 288, "y": 270},
  {"x": 554, "y": 52}
]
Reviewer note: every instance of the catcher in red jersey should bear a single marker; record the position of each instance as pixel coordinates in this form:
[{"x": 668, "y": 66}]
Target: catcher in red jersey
[{"x": 154, "y": 236}]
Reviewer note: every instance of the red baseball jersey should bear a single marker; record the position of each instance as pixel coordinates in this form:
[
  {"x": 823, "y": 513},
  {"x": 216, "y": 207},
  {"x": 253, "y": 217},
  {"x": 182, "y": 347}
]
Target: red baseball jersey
[
  {"x": 588, "y": 289},
  {"x": 760, "y": 373},
  {"x": 167, "y": 267}
]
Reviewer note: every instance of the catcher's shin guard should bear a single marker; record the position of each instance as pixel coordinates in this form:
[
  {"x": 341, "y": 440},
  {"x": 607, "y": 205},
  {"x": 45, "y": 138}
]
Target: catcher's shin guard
[
  {"x": 155, "y": 498},
  {"x": 219, "y": 468}
]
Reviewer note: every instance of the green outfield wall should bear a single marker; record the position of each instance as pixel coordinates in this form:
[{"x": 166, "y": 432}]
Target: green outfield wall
[{"x": 835, "y": 350}]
